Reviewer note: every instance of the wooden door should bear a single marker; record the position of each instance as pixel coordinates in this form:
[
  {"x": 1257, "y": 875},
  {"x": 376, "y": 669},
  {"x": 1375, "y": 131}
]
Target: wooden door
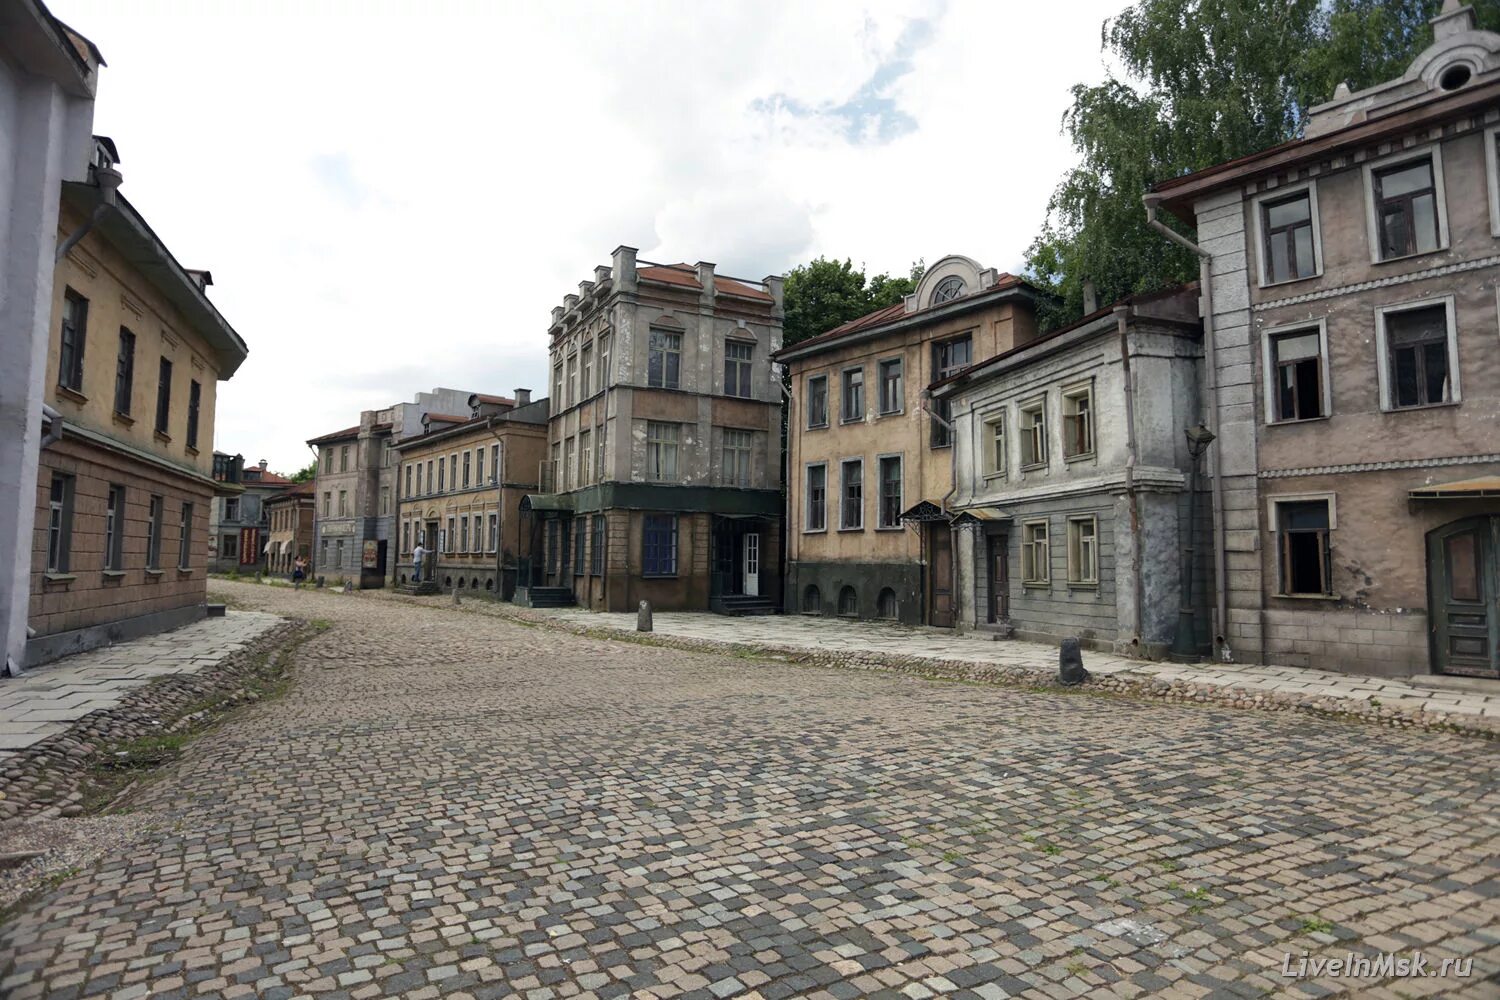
[
  {"x": 998, "y": 578},
  {"x": 1464, "y": 583},
  {"x": 939, "y": 575}
]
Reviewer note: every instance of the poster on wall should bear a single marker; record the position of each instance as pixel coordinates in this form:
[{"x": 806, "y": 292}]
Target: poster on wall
[
  {"x": 249, "y": 546},
  {"x": 371, "y": 554}
]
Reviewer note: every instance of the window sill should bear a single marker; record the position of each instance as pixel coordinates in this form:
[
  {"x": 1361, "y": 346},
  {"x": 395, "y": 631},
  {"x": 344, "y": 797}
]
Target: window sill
[
  {"x": 1410, "y": 256},
  {"x": 153, "y": 574},
  {"x": 815, "y": 531},
  {"x": 190, "y": 449},
  {"x": 1292, "y": 281},
  {"x": 1424, "y": 406},
  {"x": 852, "y": 530},
  {"x": 994, "y": 475},
  {"x": 851, "y": 420},
  {"x": 1294, "y": 421},
  {"x": 1082, "y": 585},
  {"x": 124, "y": 418},
  {"x": 940, "y": 447},
  {"x": 113, "y": 575},
  {"x": 890, "y": 413},
  {"x": 1307, "y": 597},
  {"x": 1037, "y": 584},
  {"x": 1035, "y": 467},
  {"x": 658, "y": 576},
  {"x": 162, "y": 435},
  {"x": 818, "y": 427},
  {"x": 1087, "y": 456},
  {"x": 889, "y": 527},
  {"x": 58, "y": 577},
  {"x": 184, "y": 571},
  {"x": 67, "y": 392}
]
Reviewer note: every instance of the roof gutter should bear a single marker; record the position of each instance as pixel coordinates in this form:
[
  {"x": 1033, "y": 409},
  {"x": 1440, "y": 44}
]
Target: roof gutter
[
  {"x": 1211, "y": 401},
  {"x": 107, "y": 180}
]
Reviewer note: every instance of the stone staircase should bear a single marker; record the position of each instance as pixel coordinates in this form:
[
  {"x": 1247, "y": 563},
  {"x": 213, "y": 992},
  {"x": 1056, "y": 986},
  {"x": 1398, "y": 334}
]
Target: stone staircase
[
  {"x": 424, "y": 589},
  {"x": 741, "y": 604},
  {"x": 550, "y": 597}
]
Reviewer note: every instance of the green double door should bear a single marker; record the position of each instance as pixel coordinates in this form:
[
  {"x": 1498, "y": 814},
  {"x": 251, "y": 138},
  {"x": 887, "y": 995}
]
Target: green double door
[{"x": 1463, "y": 573}]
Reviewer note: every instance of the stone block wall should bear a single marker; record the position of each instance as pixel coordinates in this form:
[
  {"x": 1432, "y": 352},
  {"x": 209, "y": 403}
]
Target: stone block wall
[{"x": 1379, "y": 643}]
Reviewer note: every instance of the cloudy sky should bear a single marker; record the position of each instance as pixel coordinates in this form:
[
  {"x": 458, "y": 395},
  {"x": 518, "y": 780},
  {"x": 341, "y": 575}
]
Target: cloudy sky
[{"x": 391, "y": 200}]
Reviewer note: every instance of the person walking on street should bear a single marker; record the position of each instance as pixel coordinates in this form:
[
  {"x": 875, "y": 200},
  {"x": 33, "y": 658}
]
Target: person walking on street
[
  {"x": 418, "y": 557},
  {"x": 299, "y": 572}
]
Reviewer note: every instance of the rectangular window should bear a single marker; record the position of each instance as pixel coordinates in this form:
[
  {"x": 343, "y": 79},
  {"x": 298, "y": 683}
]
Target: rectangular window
[
  {"x": 343, "y": 503},
  {"x": 125, "y": 372},
  {"x": 453, "y": 471},
  {"x": 114, "y": 528},
  {"x": 852, "y": 495},
  {"x": 817, "y": 401},
  {"x": 429, "y": 477},
  {"x": 463, "y": 534},
  {"x": 494, "y": 535},
  {"x": 948, "y": 358},
  {"x": 327, "y": 503},
  {"x": 1034, "y": 434},
  {"x": 580, "y": 551},
  {"x": 1036, "y": 553},
  {"x": 1295, "y": 362},
  {"x": 890, "y": 492},
  {"x": 405, "y": 537},
  {"x": 664, "y": 360},
  {"x": 816, "y": 518},
  {"x": 231, "y": 509},
  {"x": 557, "y": 385},
  {"x": 1287, "y": 225},
  {"x": 603, "y": 362},
  {"x": 163, "y": 396},
  {"x": 597, "y": 552},
  {"x": 467, "y": 470},
  {"x": 568, "y": 467},
  {"x": 892, "y": 397},
  {"x": 385, "y": 500},
  {"x": 585, "y": 458},
  {"x": 75, "y": 319},
  {"x": 154, "y": 512},
  {"x": 1406, "y": 209},
  {"x": 442, "y": 474},
  {"x": 1083, "y": 550},
  {"x": 852, "y": 400},
  {"x": 599, "y": 454},
  {"x": 195, "y": 402},
  {"x": 338, "y": 554},
  {"x": 495, "y": 463},
  {"x": 59, "y": 524},
  {"x": 385, "y": 454},
  {"x": 185, "y": 537},
  {"x": 659, "y": 545},
  {"x": 478, "y": 466},
  {"x": 1417, "y": 343},
  {"x": 478, "y": 535},
  {"x": 572, "y": 396},
  {"x": 1078, "y": 422},
  {"x": 450, "y": 537},
  {"x": 344, "y": 459},
  {"x": 736, "y": 457},
  {"x": 661, "y": 452},
  {"x": 552, "y": 535},
  {"x": 1302, "y": 527},
  {"x": 408, "y": 481},
  {"x": 327, "y": 459},
  {"x": 993, "y": 444},
  {"x": 229, "y": 546},
  {"x": 586, "y": 371},
  {"x": 737, "y": 364}
]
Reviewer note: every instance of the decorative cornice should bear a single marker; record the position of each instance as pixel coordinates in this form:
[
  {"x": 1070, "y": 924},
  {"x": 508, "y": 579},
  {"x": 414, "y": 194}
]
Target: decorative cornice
[
  {"x": 1404, "y": 463},
  {"x": 1395, "y": 279}
]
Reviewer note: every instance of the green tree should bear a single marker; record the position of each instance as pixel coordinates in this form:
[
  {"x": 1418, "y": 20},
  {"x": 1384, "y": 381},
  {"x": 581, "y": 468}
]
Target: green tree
[
  {"x": 1203, "y": 81},
  {"x": 823, "y": 294},
  {"x": 306, "y": 473}
]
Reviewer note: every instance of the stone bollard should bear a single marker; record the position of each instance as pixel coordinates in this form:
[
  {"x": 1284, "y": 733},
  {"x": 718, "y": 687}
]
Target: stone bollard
[
  {"x": 348, "y": 586},
  {"x": 455, "y": 595},
  {"x": 643, "y": 617},
  {"x": 1070, "y": 663},
  {"x": 320, "y": 583}
]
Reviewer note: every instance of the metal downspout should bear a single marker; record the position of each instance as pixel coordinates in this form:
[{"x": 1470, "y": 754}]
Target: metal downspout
[
  {"x": 1122, "y": 316},
  {"x": 1211, "y": 392}
]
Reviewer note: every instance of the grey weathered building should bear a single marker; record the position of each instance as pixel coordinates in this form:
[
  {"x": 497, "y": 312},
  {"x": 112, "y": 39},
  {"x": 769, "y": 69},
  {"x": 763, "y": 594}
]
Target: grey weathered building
[
  {"x": 1071, "y": 479},
  {"x": 239, "y": 526}
]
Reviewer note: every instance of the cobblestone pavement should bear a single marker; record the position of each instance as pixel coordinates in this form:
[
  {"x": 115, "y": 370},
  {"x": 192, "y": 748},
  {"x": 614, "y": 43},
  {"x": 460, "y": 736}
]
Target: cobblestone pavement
[
  {"x": 809, "y": 632},
  {"x": 451, "y": 804},
  {"x": 48, "y": 699}
]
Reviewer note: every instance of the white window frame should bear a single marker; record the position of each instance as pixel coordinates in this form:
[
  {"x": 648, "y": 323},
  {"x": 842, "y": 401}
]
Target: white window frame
[
  {"x": 1492, "y": 176},
  {"x": 1257, "y": 221},
  {"x": 1383, "y": 358},
  {"x": 1372, "y": 227},
  {"x": 749, "y": 455},
  {"x": 993, "y": 466},
  {"x": 1028, "y": 551},
  {"x": 1268, "y": 369},
  {"x": 1075, "y": 542},
  {"x": 1038, "y": 404},
  {"x": 660, "y": 444},
  {"x": 1077, "y": 390},
  {"x": 807, "y": 498}
]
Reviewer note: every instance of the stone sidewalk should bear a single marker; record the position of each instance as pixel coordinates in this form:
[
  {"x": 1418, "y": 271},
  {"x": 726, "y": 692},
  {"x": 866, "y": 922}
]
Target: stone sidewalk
[
  {"x": 50, "y": 698},
  {"x": 901, "y": 643}
]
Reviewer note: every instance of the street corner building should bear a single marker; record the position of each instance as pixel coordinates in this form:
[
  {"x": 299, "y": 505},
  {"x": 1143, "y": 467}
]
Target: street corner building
[
  {"x": 871, "y": 453},
  {"x": 239, "y": 525},
  {"x": 1071, "y": 508},
  {"x": 289, "y": 516},
  {"x": 461, "y": 480},
  {"x": 1353, "y": 369},
  {"x": 126, "y": 469},
  {"x": 662, "y": 480}
]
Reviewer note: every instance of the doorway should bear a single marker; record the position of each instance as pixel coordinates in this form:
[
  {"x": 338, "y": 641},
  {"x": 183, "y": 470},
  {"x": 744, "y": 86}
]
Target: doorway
[
  {"x": 1463, "y": 582},
  {"x": 997, "y": 578},
  {"x": 751, "y": 574},
  {"x": 939, "y": 574}
]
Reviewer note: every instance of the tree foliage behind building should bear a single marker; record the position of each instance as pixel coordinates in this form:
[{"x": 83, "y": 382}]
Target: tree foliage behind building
[
  {"x": 1201, "y": 82},
  {"x": 823, "y": 294}
]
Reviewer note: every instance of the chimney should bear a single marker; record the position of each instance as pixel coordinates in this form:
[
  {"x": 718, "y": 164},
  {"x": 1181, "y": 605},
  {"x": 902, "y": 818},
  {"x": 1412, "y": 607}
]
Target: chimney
[
  {"x": 622, "y": 269},
  {"x": 706, "y": 282},
  {"x": 523, "y": 397},
  {"x": 775, "y": 285},
  {"x": 262, "y": 465},
  {"x": 1090, "y": 297}
]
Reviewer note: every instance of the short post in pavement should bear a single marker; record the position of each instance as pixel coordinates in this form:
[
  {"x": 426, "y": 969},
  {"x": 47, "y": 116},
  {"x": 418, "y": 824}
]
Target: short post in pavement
[
  {"x": 1070, "y": 669},
  {"x": 643, "y": 617},
  {"x": 455, "y": 595}
]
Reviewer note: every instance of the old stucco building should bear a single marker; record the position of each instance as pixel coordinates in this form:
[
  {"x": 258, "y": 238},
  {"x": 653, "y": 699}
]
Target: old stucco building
[
  {"x": 1354, "y": 373},
  {"x": 869, "y": 455},
  {"x": 126, "y": 472},
  {"x": 1072, "y": 474},
  {"x": 663, "y": 477},
  {"x": 290, "y": 514},
  {"x": 239, "y": 526},
  {"x": 460, "y": 484}
]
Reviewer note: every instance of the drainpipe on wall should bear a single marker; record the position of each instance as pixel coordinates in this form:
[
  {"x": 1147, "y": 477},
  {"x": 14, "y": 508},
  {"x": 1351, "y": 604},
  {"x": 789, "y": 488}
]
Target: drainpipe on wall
[
  {"x": 1122, "y": 317},
  {"x": 499, "y": 464},
  {"x": 108, "y": 180},
  {"x": 952, "y": 537},
  {"x": 54, "y": 426},
  {"x": 1211, "y": 392}
]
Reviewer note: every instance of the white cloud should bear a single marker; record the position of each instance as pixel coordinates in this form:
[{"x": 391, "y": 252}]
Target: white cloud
[{"x": 393, "y": 197}]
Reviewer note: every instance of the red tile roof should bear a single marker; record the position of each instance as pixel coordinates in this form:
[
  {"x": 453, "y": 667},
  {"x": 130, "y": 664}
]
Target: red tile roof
[
  {"x": 447, "y": 418},
  {"x": 347, "y": 432},
  {"x": 494, "y": 400},
  {"x": 687, "y": 276},
  {"x": 304, "y": 489}
]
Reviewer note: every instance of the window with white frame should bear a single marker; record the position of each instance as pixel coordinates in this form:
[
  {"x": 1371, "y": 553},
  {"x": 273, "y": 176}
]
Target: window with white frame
[
  {"x": 185, "y": 537},
  {"x": 1296, "y": 365},
  {"x": 494, "y": 535},
  {"x": 1406, "y": 206},
  {"x": 449, "y": 537},
  {"x": 585, "y": 457},
  {"x": 59, "y": 523},
  {"x": 1288, "y": 235},
  {"x": 1417, "y": 348},
  {"x": 586, "y": 371},
  {"x": 738, "y": 355},
  {"x": 467, "y": 469},
  {"x": 154, "y": 514},
  {"x": 889, "y": 377},
  {"x": 463, "y": 534},
  {"x": 478, "y": 532},
  {"x": 1304, "y": 553},
  {"x": 478, "y": 466},
  {"x": 664, "y": 360},
  {"x": 661, "y": 451},
  {"x": 852, "y": 495},
  {"x": 114, "y": 528},
  {"x": 1033, "y": 433},
  {"x": 1078, "y": 421},
  {"x": 992, "y": 445},
  {"x": 1083, "y": 550},
  {"x": 603, "y": 362},
  {"x": 816, "y": 516},
  {"x": 1036, "y": 554},
  {"x": 736, "y": 457},
  {"x": 572, "y": 389},
  {"x": 567, "y": 461}
]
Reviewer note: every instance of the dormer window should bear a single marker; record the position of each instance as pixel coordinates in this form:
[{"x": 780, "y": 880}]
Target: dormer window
[{"x": 948, "y": 289}]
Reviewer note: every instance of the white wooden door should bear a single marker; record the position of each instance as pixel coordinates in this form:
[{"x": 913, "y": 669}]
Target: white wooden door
[{"x": 752, "y": 564}]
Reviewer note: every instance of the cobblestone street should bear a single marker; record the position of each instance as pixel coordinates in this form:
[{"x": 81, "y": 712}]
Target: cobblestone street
[{"x": 450, "y": 804}]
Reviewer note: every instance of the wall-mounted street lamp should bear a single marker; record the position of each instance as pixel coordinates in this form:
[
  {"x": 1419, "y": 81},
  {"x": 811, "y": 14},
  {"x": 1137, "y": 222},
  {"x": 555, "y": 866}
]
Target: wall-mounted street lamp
[{"x": 1185, "y": 642}]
